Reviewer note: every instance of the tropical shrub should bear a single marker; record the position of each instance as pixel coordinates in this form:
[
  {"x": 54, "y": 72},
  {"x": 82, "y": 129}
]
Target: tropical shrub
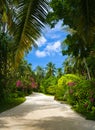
[
  {"x": 64, "y": 86},
  {"x": 78, "y": 92},
  {"x": 51, "y": 89},
  {"x": 84, "y": 96},
  {"x": 25, "y": 86},
  {"x": 48, "y": 85}
]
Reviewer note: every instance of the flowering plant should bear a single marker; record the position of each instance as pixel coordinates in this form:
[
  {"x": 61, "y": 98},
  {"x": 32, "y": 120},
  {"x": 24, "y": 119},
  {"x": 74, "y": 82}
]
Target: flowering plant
[
  {"x": 71, "y": 91},
  {"x": 18, "y": 83},
  {"x": 71, "y": 84}
]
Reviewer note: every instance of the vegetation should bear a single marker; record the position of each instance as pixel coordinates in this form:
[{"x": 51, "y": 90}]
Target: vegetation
[
  {"x": 21, "y": 23},
  {"x": 77, "y": 92},
  {"x": 76, "y": 86},
  {"x": 11, "y": 103},
  {"x": 79, "y": 43},
  {"x": 48, "y": 85},
  {"x": 73, "y": 89}
]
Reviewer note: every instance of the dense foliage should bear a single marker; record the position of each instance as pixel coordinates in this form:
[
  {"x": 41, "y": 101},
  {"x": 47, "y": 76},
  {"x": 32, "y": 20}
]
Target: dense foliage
[
  {"x": 79, "y": 45},
  {"x": 79, "y": 19},
  {"x": 21, "y": 23},
  {"x": 48, "y": 85},
  {"x": 62, "y": 89},
  {"x": 75, "y": 90},
  {"x": 78, "y": 92}
]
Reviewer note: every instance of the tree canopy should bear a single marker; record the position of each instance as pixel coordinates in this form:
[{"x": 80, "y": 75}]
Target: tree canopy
[{"x": 79, "y": 16}]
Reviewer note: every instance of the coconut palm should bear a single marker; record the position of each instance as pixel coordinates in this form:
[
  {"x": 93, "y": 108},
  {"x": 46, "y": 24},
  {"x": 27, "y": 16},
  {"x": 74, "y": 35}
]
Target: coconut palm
[
  {"x": 23, "y": 20},
  {"x": 59, "y": 72},
  {"x": 29, "y": 21},
  {"x": 50, "y": 69},
  {"x": 39, "y": 72},
  {"x": 68, "y": 65},
  {"x": 79, "y": 16}
]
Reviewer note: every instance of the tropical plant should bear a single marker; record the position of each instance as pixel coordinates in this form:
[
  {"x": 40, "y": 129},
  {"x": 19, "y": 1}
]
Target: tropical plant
[
  {"x": 59, "y": 72},
  {"x": 39, "y": 75},
  {"x": 28, "y": 23},
  {"x": 62, "y": 88},
  {"x": 81, "y": 41},
  {"x": 48, "y": 85},
  {"x": 75, "y": 48},
  {"x": 68, "y": 65},
  {"x": 50, "y": 69},
  {"x": 22, "y": 21}
]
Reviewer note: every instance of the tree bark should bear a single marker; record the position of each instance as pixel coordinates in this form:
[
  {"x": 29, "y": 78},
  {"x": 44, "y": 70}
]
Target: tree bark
[{"x": 86, "y": 66}]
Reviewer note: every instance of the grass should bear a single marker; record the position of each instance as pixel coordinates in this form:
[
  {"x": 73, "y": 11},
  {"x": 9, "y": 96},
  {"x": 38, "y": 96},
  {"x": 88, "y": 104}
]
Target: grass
[{"x": 11, "y": 103}]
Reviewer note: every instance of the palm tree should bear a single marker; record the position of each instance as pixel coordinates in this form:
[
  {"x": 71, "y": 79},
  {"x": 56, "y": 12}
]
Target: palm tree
[
  {"x": 59, "y": 72},
  {"x": 50, "y": 69},
  {"x": 80, "y": 17},
  {"x": 29, "y": 21},
  {"x": 68, "y": 65},
  {"x": 76, "y": 48},
  {"x": 39, "y": 72}
]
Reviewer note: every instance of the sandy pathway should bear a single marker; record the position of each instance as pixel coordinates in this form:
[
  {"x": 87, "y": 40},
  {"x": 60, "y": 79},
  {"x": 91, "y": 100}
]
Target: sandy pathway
[{"x": 40, "y": 112}]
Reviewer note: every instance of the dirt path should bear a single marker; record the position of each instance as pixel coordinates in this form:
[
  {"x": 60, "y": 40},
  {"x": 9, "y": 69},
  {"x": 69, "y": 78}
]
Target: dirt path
[{"x": 40, "y": 112}]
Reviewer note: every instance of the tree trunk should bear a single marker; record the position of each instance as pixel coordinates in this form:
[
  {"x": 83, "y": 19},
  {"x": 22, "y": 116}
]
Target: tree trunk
[{"x": 86, "y": 66}]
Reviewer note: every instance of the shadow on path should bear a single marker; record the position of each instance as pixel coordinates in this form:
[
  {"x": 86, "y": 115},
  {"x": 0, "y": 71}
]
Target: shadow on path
[
  {"x": 34, "y": 102},
  {"x": 41, "y": 112},
  {"x": 52, "y": 123}
]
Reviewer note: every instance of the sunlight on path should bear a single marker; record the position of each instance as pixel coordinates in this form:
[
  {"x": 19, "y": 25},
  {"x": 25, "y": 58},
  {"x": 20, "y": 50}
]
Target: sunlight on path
[{"x": 41, "y": 112}]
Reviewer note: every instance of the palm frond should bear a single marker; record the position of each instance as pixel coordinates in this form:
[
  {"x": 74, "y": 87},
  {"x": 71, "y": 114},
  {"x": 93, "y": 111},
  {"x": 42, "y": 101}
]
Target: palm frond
[{"x": 29, "y": 22}]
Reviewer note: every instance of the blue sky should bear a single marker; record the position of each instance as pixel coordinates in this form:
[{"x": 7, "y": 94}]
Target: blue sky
[{"x": 49, "y": 48}]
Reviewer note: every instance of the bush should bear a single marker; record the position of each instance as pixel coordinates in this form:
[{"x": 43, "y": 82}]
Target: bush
[
  {"x": 85, "y": 93},
  {"x": 63, "y": 89},
  {"x": 51, "y": 89},
  {"x": 48, "y": 85},
  {"x": 79, "y": 93}
]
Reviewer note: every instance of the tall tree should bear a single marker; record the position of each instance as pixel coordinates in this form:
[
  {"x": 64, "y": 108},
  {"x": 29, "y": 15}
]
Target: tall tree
[
  {"x": 79, "y": 16},
  {"x": 29, "y": 21},
  {"x": 68, "y": 65},
  {"x": 24, "y": 21},
  {"x": 50, "y": 69},
  {"x": 76, "y": 48},
  {"x": 40, "y": 74},
  {"x": 59, "y": 72}
]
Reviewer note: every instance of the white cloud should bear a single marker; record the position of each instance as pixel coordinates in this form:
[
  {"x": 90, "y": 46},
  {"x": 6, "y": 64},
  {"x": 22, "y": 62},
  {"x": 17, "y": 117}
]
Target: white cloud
[
  {"x": 54, "y": 47},
  {"x": 41, "y": 41},
  {"x": 53, "y": 32},
  {"x": 40, "y": 53},
  {"x": 50, "y": 42},
  {"x": 57, "y": 27},
  {"x": 49, "y": 50}
]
